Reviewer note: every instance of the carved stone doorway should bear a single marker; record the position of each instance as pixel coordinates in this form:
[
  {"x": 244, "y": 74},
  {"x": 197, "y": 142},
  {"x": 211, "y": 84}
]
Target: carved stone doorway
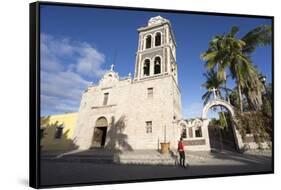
[{"x": 100, "y": 131}]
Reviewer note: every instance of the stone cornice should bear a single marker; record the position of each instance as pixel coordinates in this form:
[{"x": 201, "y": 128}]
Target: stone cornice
[
  {"x": 155, "y": 77},
  {"x": 142, "y": 29},
  {"x": 107, "y": 106}
]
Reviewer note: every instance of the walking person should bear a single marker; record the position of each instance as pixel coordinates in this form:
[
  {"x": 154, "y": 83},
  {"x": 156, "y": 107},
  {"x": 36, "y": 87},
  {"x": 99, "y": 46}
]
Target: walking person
[{"x": 181, "y": 152}]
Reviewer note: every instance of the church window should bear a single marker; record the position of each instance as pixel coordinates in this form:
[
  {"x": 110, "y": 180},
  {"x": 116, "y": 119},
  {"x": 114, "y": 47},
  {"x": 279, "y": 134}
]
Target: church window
[
  {"x": 157, "y": 65},
  {"x": 183, "y": 133},
  {"x": 105, "y": 98},
  {"x": 148, "y": 126},
  {"x": 148, "y": 42},
  {"x": 146, "y": 67},
  {"x": 198, "y": 132},
  {"x": 158, "y": 39},
  {"x": 58, "y": 132},
  {"x": 150, "y": 92}
]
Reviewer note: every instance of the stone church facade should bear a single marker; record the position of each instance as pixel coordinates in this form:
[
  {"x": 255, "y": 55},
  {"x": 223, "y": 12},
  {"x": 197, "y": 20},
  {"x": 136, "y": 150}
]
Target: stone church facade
[{"x": 139, "y": 111}]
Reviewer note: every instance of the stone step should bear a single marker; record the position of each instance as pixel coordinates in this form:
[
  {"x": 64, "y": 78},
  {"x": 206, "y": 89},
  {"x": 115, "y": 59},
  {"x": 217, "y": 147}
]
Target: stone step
[
  {"x": 94, "y": 156},
  {"x": 81, "y": 158},
  {"x": 147, "y": 161},
  {"x": 145, "y": 158}
]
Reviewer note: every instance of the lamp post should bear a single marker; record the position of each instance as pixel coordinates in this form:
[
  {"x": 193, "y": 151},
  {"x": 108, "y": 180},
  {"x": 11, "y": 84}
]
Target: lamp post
[{"x": 263, "y": 80}]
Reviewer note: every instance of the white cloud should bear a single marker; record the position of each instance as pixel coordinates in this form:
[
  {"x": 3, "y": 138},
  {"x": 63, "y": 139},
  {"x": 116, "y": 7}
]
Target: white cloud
[
  {"x": 63, "y": 84},
  {"x": 64, "y": 66},
  {"x": 90, "y": 62},
  {"x": 52, "y": 104},
  {"x": 81, "y": 56}
]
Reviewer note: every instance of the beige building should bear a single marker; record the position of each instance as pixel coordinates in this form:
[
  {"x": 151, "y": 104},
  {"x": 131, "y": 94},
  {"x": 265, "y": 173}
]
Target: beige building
[{"x": 57, "y": 132}]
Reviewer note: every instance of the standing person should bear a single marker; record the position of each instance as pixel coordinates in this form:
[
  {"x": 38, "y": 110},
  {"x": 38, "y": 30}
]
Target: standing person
[{"x": 181, "y": 152}]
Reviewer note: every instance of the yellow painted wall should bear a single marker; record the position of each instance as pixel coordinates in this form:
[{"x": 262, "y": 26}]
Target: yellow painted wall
[{"x": 50, "y": 123}]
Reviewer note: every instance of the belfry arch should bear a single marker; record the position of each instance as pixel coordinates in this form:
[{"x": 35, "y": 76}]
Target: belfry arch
[{"x": 219, "y": 102}]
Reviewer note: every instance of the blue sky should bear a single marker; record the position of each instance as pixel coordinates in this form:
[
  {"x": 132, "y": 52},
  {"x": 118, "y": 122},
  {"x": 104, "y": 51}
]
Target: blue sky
[{"x": 78, "y": 45}]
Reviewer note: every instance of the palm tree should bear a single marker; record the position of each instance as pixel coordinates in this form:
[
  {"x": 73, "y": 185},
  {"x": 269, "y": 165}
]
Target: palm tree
[
  {"x": 225, "y": 51},
  {"x": 228, "y": 52},
  {"x": 212, "y": 81},
  {"x": 260, "y": 36}
]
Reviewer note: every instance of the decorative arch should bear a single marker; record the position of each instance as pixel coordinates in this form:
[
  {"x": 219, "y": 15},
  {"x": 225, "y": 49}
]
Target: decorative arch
[
  {"x": 157, "y": 65},
  {"x": 217, "y": 102},
  {"x": 148, "y": 41},
  {"x": 183, "y": 122},
  {"x": 157, "y": 39},
  {"x": 101, "y": 122},
  {"x": 196, "y": 122}
]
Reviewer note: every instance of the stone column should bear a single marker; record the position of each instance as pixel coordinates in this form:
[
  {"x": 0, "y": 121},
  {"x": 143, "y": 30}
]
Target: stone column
[
  {"x": 151, "y": 69},
  {"x": 140, "y": 69},
  {"x": 237, "y": 137},
  {"x": 205, "y": 133}
]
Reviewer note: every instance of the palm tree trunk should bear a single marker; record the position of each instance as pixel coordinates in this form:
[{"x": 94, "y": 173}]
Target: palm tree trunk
[
  {"x": 227, "y": 95},
  {"x": 224, "y": 118},
  {"x": 239, "y": 89},
  {"x": 240, "y": 97},
  {"x": 221, "y": 107}
]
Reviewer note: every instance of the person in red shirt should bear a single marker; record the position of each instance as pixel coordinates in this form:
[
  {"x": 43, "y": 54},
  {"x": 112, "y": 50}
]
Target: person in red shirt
[{"x": 181, "y": 152}]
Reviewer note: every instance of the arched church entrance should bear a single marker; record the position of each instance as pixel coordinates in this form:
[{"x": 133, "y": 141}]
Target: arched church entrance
[
  {"x": 222, "y": 131},
  {"x": 100, "y": 132}
]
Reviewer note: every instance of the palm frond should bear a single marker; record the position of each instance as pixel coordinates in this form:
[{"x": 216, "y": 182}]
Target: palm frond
[
  {"x": 233, "y": 31},
  {"x": 206, "y": 97},
  {"x": 259, "y": 36},
  {"x": 209, "y": 55}
]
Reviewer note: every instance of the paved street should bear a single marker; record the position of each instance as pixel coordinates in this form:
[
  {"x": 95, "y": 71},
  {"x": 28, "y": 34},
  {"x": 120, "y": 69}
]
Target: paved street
[{"x": 58, "y": 172}]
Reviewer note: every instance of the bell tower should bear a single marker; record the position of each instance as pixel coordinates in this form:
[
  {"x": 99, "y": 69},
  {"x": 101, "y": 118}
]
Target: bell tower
[{"x": 156, "y": 54}]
